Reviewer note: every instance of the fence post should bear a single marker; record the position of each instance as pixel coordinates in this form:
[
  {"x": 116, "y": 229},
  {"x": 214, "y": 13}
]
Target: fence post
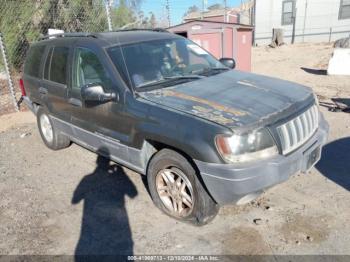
[
  {"x": 330, "y": 34},
  {"x": 108, "y": 13},
  {"x": 9, "y": 79}
]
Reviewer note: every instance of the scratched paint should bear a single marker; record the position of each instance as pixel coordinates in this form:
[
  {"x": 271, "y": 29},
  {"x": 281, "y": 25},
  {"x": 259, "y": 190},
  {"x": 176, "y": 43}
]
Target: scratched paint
[
  {"x": 212, "y": 104},
  {"x": 211, "y": 115},
  {"x": 235, "y": 99}
]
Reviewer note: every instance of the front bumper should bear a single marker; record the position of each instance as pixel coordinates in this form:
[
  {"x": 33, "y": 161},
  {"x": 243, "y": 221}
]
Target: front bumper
[{"x": 228, "y": 183}]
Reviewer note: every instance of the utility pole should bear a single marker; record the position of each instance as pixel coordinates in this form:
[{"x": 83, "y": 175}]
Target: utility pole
[
  {"x": 225, "y": 11},
  {"x": 294, "y": 19},
  {"x": 305, "y": 15},
  {"x": 167, "y": 7},
  {"x": 108, "y": 12},
  {"x": 202, "y": 10},
  {"x": 253, "y": 19}
]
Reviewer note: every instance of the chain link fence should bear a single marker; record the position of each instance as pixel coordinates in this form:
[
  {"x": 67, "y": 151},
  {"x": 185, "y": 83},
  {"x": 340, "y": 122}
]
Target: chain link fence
[
  {"x": 7, "y": 98},
  {"x": 25, "y": 21}
]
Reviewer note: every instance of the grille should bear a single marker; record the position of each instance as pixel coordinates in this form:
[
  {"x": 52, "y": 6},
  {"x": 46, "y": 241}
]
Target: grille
[{"x": 297, "y": 131}]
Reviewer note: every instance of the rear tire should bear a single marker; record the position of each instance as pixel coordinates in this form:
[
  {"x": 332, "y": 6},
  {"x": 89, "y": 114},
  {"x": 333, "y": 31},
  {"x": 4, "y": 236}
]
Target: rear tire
[
  {"x": 52, "y": 137},
  {"x": 176, "y": 189}
]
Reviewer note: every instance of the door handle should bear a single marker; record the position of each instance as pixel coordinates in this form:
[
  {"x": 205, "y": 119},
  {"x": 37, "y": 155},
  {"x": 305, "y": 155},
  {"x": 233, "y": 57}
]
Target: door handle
[
  {"x": 75, "y": 102},
  {"x": 43, "y": 91}
]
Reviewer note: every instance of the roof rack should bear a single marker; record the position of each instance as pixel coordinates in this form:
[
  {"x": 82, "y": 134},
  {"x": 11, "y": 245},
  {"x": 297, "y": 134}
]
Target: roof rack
[
  {"x": 69, "y": 35},
  {"x": 142, "y": 29}
]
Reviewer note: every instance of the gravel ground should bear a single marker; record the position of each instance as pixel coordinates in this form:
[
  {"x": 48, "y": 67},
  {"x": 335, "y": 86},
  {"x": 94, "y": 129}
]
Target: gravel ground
[{"x": 60, "y": 202}]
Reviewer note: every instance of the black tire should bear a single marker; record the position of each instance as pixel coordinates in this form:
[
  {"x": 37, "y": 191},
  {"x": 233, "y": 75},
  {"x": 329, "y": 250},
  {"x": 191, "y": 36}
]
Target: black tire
[
  {"x": 204, "y": 209},
  {"x": 59, "y": 140}
]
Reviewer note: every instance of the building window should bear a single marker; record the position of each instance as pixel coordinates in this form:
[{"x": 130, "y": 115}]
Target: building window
[
  {"x": 288, "y": 7},
  {"x": 344, "y": 9}
]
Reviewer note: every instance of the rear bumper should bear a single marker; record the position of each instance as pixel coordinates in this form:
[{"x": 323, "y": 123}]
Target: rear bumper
[
  {"x": 228, "y": 183},
  {"x": 29, "y": 104}
]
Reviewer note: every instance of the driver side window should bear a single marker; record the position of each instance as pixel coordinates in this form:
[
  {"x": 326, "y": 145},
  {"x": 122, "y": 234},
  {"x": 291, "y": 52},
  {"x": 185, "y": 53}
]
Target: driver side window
[{"x": 88, "y": 70}]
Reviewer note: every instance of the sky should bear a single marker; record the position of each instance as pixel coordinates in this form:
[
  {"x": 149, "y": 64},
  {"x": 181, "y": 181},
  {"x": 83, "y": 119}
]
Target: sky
[{"x": 178, "y": 7}]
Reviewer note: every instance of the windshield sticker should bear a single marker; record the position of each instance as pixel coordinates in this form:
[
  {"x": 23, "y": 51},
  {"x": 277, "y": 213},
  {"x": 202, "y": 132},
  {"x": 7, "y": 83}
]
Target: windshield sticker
[{"x": 197, "y": 50}]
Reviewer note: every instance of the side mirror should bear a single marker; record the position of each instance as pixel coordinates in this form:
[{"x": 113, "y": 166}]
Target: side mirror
[
  {"x": 228, "y": 62},
  {"x": 95, "y": 93}
]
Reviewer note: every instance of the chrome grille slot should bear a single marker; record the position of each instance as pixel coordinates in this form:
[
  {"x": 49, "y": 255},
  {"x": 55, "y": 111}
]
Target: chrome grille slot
[{"x": 297, "y": 131}]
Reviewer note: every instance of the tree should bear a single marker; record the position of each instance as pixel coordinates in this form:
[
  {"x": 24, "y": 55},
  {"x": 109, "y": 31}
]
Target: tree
[
  {"x": 191, "y": 9},
  {"x": 122, "y": 14},
  {"x": 23, "y": 22},
  {"x": 152, "y": 20},
  {"x": 215, "y": 7}
]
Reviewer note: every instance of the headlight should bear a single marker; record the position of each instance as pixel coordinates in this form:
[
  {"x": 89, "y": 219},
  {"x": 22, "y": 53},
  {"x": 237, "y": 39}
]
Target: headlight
[{"x": 246, "y": 147}]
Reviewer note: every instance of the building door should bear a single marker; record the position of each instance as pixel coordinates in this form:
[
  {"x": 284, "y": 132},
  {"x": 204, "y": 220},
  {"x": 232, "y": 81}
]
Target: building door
[
  {"x": 244, "y": 43},
  {"x": 210, "y": 40}
]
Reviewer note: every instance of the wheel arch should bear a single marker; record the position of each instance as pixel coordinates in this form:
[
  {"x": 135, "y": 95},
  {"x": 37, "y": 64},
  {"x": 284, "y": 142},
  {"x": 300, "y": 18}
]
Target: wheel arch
[{"x": 158, "y": 146}]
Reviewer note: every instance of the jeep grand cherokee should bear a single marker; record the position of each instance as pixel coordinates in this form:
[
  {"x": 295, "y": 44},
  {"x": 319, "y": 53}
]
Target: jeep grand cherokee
[{"x": 204, "y": 135}]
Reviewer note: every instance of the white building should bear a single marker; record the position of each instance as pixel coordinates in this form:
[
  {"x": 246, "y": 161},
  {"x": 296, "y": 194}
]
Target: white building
[{"x": 315, "y": 20}]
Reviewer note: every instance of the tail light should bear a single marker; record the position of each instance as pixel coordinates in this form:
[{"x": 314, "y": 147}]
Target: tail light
[{"x": 21, "y": 85}]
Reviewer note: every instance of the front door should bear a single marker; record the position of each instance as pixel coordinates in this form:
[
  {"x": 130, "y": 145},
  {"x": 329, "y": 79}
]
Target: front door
[{"x": 98, "y": 118}]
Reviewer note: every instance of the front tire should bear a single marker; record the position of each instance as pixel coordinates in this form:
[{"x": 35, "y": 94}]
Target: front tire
[
  {"x": 52, "y": 137},
  {"x": 176, "y": 189}
]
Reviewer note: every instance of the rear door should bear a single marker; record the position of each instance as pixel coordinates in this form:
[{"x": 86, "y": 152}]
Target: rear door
[{"x": 54, "y": 84}]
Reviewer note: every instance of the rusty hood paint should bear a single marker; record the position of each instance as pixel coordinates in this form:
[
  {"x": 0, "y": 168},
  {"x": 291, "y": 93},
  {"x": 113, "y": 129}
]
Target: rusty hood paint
[{"x": 234, "y": 98}]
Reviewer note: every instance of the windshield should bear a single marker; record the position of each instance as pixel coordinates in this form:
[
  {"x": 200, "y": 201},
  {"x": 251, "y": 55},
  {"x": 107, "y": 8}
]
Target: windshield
[{"x": 160, "y": 63}]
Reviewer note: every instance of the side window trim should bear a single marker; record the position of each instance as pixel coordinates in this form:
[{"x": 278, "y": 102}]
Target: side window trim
[
  {"x": 48, "y": 57},
  {"x": 73, "y": 72},
  {"x": 51, "y": 50},
  {"x": 49, "y": 70},
  {"x": 75, "y": 66}
]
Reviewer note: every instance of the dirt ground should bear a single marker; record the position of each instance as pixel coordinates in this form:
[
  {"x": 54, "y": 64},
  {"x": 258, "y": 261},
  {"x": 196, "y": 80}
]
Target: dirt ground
[{"x": 59, "y": 202}]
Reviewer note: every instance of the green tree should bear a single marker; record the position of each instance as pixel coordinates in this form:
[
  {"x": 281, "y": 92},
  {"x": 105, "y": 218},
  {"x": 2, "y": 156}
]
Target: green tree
[
  {"x": 122, "y": 14},
  {"x": 24, "y": 21}
]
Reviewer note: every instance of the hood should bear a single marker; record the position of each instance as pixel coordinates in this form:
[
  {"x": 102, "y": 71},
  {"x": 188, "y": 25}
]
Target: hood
[{"x": 234, "y": 98}]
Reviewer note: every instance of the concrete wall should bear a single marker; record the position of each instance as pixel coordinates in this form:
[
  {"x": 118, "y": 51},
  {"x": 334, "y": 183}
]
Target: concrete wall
[{"x": 316, "y": 21}]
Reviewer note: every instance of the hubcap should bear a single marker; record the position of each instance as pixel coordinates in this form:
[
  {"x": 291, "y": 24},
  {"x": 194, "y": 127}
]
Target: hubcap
[
  {"x": 175, "y": 191},
  {"x": 46, "y": 128}
]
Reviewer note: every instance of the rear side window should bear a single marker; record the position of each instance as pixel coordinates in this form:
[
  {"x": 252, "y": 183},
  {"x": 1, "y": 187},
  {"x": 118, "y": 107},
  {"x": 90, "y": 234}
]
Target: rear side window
[
  {"x": 56, "y": 65},
  {"x": 32, "y": 65}
]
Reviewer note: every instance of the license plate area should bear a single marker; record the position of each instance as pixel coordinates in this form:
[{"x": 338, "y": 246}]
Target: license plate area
[{"x": 311, "y": 158}]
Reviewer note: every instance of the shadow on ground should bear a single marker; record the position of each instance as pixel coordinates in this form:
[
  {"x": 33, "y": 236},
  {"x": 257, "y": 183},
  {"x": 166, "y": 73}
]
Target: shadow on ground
[
  {"x": 314, "y": 71},
  {"x": 335, "y": 162},
  {"x": 105, "y": 228}
]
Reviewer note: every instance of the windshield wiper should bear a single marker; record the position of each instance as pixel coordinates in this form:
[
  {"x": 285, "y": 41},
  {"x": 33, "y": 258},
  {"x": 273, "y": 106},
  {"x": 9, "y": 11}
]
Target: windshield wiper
[
  {"x": 184, "y": 77},
  {"x": 213, "y": 70},
  {"x": 168, "y": 80}
]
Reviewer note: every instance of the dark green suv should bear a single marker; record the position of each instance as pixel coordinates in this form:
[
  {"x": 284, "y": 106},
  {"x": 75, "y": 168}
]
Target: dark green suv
[{"x": 205, "y": 135}]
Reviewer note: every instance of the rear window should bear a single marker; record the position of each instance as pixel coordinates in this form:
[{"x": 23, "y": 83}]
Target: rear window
[
  {"x": 56, "y": 65},
  {"x": 32, "y": 65}
]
